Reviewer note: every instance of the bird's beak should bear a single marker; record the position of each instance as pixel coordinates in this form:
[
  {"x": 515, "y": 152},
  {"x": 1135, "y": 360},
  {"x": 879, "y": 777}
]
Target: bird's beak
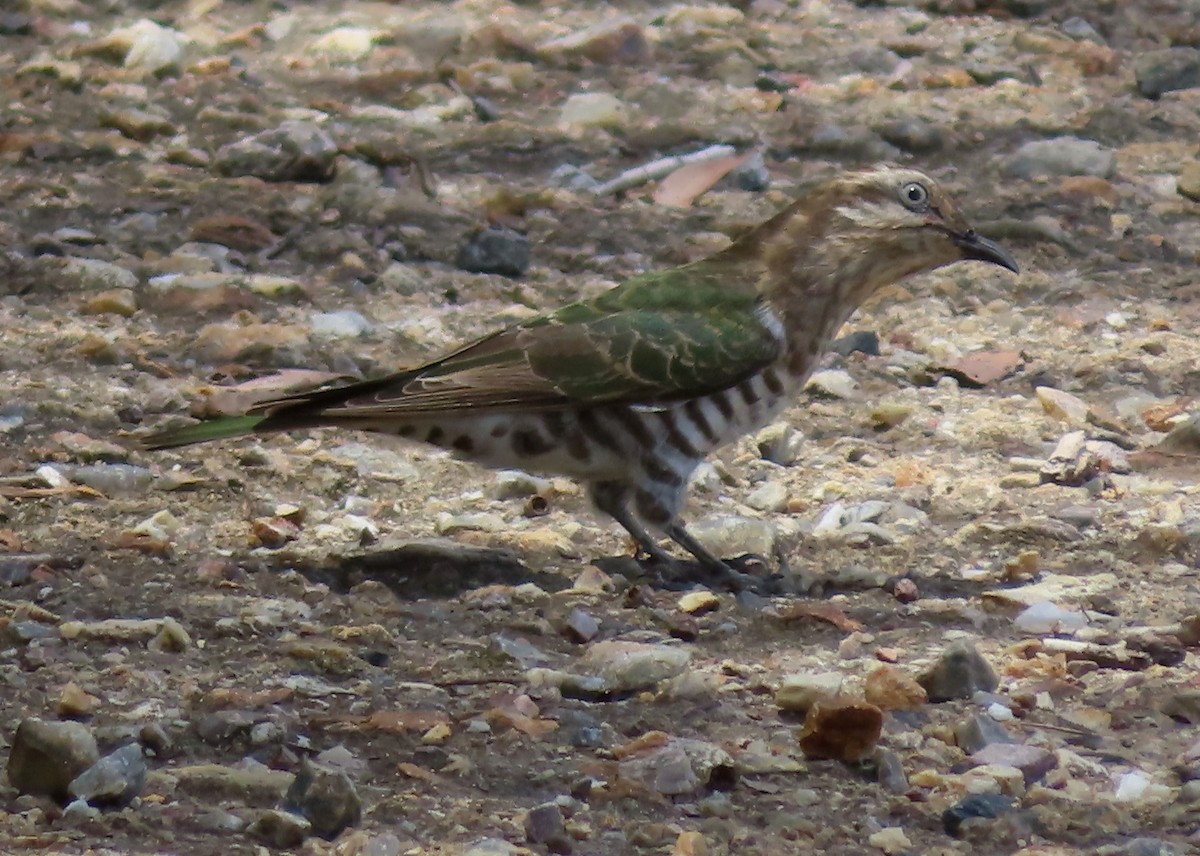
[{"x": 975, "y": 246}]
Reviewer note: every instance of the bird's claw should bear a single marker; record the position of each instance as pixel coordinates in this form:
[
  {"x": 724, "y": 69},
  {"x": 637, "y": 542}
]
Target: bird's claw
[
  {"x": 750, "y": 572},
  {"x": 745, "y": 573}
]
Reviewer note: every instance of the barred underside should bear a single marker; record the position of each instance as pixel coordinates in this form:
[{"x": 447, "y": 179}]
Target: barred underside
[{"x": 653, "y": 450}]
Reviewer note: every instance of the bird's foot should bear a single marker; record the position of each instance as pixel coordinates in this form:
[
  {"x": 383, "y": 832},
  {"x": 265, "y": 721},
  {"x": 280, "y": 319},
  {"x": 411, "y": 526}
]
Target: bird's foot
[
  {"x": 746, "y": 573},
  {"x": 751, "y": 573}
]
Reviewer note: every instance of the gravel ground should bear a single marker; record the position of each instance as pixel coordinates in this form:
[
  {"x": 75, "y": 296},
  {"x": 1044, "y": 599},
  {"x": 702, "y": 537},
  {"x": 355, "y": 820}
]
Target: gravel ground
[{"x": 986, "y": 501}]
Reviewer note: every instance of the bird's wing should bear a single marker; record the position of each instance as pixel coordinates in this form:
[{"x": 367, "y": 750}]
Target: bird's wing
[{"x": 634, "y": 345}]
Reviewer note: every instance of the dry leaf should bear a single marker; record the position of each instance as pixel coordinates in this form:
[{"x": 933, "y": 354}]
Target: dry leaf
[
  {"x": 236, "y": 698},
  {"x": 1161, "y": 417},
  {"x": 392, "y": 721},
  {"x": 414, "y": 772},
  {"x": 233, "y": 231},
  {"x": 830, "y": 612},
  {"x": 142, "y": 543},
  {"x": 681, "y": 187},
  {"x": 17, "y": 492},
  {"x": 648, "y": 741},
  {"x": 531, "y": 726},
  {"x": 399, "y": 721}
]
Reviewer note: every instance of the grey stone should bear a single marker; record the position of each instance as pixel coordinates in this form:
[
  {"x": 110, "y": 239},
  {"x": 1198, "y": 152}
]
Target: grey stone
[
  {"x": 985, "y": 806},
  {"x": 874, "y": 59},
  {"x": 47, "y": 756},
  {"x": 113, "y": 478},
  {"x": 1080, "y": 30},
  {"x": 980, "y": 731},
  {"x": 912, "y": 135},
  {"x": 860, "y": 341},
  {"x": 327, "y": 799},
  {"x": 544, "y": 825},
  {"x": 1025, "y": 8},
  {"x": 15, "y": 24},
  {"x": 383, "y": 844},
  {"x": 1141, "y": 846},
  {"x": 771, "y": 497},
  {"x": 250, "y": 782},
  {"x": 889, "y": 771},
  {"x": 752, "y": 175},
  {"x": 1183, "y": 705},
  {"x": 114, "y": 780},
  {"x": 1077, "y": 515},
  {"x": 681, "y": 766},
  {"x": 221, "y": 727},
  {"x": 731, "y": 535},
  {"x": 402, "y": 278},
  {"x": 495, "y": 250},
  {"x": 1184, "y": 437},
  {"x": 1061, "y": 156},
  {"x": 524, "y": 653},
  {"x": 614, "y": 667},
  {"x": 280, "y": 829},
  {"x": 780, "y": 443},
  {"x": 960, "y": 672},
  {"x": 851, "y": 144},
  {"x": 1167, "y": 70},
  {"x": 1033, "y": 762},
  {"x": 293, "y": 151},
  {"x": 492, "y": 847},
  {"x": 571, "y": 177},
  {"x": 97, "y": 275},
  {"x": 581, "y": 626}
]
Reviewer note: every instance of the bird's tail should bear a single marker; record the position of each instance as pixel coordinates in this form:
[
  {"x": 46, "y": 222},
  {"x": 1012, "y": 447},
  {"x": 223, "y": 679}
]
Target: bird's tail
[
  {"x": 215, "y": 429},
  {"x": 302, "y": 410}
]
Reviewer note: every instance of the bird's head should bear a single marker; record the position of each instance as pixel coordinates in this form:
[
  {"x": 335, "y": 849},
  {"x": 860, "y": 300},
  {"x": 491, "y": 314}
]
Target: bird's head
[
  {"x": 891, "y": 222},
  {"x": 821, "y": 257}
]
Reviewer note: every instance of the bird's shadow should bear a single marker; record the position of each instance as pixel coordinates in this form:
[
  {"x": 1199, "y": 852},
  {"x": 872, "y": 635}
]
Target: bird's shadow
[
  {"x": 428, "y": 568},
  {"x": 440, "y": 568}
]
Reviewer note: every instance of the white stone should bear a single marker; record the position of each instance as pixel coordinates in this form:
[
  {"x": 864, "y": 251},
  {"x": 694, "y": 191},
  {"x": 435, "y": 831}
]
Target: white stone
[
  {"x": 1062, "y": 405},
  {"x": 148, "y": 45},
  {"x": 999, "y": 712},
  {"x": 99, "y": 275},
  {"x": 890, "y": 840},
  {"x": 343, "y": 324},
  {"x": 770, "y": 496},
  {"x": 1046, "y": 617},
  {"x": 593, "y": 110},
  {"x": 832, "y": 383},
  {"x": 481, "y": 521},
  {"x": 345, "y": 44}
]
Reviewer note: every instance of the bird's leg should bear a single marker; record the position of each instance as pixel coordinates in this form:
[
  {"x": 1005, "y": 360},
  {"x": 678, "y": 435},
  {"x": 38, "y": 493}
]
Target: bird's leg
[{"x": 613, "y": 499}]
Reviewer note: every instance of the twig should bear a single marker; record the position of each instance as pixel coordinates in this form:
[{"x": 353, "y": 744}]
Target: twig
[
  {"x": 659, "y": 168},
  {"x": 473, "y": 682}
]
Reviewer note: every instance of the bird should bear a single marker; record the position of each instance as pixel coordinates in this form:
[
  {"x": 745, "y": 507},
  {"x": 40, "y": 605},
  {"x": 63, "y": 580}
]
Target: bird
[{"x": 629, "y": 391}]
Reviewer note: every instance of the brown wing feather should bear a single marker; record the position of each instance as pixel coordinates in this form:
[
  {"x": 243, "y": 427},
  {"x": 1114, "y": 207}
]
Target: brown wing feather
[
  {"x": 610, "y": 350},
  {"x": 489, "y": 373}
]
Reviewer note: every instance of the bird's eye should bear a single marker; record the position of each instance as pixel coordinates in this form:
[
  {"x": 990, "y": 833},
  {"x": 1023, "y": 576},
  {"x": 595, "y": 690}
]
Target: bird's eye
[{"x": 914, "y": 196}]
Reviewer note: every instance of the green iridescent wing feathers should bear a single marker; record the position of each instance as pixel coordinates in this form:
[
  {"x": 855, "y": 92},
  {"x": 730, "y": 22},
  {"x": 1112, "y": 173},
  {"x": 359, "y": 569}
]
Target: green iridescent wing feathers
[{"x": 656, "y": 338}]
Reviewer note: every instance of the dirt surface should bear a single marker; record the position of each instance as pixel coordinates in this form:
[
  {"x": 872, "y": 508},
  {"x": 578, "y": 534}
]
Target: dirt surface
[{"x": 438, "y": 633}]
